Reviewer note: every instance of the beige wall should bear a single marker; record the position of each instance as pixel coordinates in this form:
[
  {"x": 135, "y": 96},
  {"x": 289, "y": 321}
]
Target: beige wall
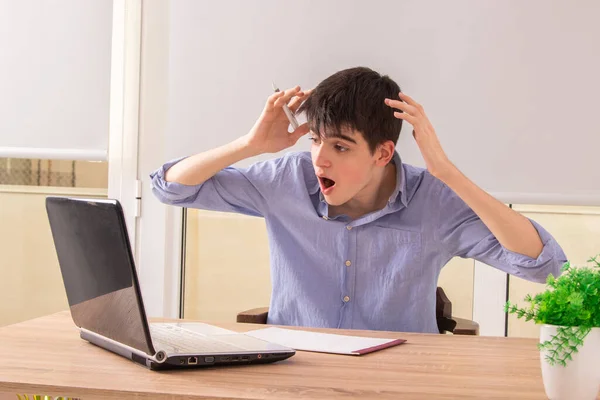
[
  {"x": 30, "y": 283},
  {"x": 220, "y": 282},
  {"x": 457, "y": 281},
  {"x": 577, "y": 229}
]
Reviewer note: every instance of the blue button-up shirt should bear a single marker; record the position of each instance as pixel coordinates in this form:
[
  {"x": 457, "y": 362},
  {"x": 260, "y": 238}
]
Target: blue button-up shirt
[{"x": 379, "y": 271}]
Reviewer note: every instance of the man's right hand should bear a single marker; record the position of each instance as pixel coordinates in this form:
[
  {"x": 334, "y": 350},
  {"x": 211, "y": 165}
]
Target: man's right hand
[
  {"x": 270, "y": 132},
  {"x": 269, "y": 135}
]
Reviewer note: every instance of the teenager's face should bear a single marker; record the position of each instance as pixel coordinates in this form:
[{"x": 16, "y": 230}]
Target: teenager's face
[{"x": 343, "y": 164}]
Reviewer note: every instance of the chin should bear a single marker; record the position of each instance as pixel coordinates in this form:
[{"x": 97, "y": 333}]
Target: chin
[{"x": 334, "y": 201}]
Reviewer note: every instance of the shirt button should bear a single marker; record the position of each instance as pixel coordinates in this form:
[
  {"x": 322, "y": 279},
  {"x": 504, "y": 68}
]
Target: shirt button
[
  {"x": 346, "y": 299},
  {"x": 325, "y": 217},
  {"x": 348, "y": 227},
  {"x": 348, "y": 263}
]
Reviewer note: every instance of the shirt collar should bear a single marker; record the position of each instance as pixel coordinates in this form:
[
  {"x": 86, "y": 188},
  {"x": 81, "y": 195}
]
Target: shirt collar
[{"x": 399, "y": 190}]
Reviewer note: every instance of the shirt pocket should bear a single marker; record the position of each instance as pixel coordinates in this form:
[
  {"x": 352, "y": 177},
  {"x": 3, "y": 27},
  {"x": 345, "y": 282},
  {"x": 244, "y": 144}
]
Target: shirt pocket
[{"x": 398, "y": 253}]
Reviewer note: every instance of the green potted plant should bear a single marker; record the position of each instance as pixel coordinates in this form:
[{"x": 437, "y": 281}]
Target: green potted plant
[{"x": 569, "y": 312}]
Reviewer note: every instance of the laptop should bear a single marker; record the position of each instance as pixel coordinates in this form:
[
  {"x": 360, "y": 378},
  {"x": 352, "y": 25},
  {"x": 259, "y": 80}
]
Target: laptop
[{"x": 98, "y": 270}]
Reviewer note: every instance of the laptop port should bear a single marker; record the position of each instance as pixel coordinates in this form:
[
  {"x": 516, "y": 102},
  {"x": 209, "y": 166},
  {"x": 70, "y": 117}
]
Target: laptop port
[
  {"x": 192, "y": 360},
  {"x": 209, "y": 360},
  {"x": 225, "y": 358},
  {"x": 245, "y": 358},
  {"x": 234, "y": 358}
]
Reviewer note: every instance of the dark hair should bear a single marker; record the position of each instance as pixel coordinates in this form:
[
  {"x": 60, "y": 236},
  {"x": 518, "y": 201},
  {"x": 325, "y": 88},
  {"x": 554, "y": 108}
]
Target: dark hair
[{"x": 354, "y": 99}]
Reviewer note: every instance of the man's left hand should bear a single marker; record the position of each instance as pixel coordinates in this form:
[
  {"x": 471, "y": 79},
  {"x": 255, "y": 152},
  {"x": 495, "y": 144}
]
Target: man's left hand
[{"x": 435, "y": 158}]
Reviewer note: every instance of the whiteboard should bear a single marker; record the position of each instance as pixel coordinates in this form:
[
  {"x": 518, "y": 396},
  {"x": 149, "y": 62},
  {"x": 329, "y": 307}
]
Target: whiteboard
[{"x": 510, "y": 86}]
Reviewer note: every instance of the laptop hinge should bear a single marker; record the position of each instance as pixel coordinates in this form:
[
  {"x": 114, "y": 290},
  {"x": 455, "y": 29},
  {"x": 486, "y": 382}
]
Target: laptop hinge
[{"x": 120, "y": 348}]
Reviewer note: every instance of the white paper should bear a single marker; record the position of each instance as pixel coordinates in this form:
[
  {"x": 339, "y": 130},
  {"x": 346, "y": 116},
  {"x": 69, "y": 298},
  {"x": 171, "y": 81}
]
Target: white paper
[{"x": 321, "y": 342}]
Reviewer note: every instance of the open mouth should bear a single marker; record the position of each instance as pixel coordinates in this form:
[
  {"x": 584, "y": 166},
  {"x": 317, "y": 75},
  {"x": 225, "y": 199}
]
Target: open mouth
[{"x": 326, "y": 183}]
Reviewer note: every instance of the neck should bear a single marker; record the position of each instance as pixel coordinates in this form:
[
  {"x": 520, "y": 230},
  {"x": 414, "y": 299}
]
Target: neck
[{"x": 373, "y": 197}]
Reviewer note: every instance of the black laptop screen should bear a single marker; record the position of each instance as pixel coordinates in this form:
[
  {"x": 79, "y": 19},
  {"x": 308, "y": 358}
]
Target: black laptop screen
[{"x": 97, "y": 269}]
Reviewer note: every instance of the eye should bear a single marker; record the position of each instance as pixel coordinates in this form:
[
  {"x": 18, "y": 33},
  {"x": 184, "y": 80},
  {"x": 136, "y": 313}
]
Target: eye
[
  {"x": 341, "y": 148},
  {"x": 314, "y": 139}
]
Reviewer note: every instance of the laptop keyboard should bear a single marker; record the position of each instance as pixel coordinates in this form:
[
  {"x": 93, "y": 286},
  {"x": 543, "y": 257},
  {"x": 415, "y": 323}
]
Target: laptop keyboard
[{"x": 182, "y": 340}]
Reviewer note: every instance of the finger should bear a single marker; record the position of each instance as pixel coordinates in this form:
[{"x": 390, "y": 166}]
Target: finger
[
  {"x": 299, "y": 99},
  {"x": 406, "y": 117},
  {"x": 410, "y": 100},
  {"x": 272, "y": 99},
  {"x": 288, "y": 94},
  {"x": 296, "y": 102},
  {"x": 402, "y": 106},
  {"x": 299, "y": 132}
]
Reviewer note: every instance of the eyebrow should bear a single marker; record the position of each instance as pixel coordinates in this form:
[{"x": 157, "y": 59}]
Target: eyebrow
[
  {"x": 340, "y": 136},
  {"x": 345, "y": 137}
]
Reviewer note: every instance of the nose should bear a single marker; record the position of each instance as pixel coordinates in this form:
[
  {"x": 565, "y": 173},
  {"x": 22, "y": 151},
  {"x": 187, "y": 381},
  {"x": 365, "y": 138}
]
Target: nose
[{"x": 320, "y": 157}]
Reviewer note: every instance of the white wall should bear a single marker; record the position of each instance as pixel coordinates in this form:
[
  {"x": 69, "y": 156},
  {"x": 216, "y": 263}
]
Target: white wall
[
  {"x": 511, "y": 86},
  {"x": 160, "y": 227}
]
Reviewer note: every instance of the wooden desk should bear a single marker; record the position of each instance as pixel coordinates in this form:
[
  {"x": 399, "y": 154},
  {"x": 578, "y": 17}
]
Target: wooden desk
[{"x": 46, "y": 356}]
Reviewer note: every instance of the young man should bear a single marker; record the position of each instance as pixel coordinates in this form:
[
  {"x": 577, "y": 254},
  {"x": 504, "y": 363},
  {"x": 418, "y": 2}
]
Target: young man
[{"x": 357, "y": 238}]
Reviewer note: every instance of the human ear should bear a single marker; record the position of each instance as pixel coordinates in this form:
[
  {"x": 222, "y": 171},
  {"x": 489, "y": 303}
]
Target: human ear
[{"x": 384, "y": 153}]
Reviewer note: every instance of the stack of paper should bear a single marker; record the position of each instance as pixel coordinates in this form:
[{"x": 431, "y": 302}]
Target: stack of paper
[{"x": 323, "y": 342}]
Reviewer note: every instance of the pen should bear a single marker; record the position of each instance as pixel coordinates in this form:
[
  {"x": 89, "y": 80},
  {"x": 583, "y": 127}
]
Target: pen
[{"x": 290, "y": 116}]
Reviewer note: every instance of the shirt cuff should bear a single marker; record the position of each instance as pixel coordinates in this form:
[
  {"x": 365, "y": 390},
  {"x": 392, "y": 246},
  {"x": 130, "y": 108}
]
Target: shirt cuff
[
  {"x": 170, "y": 192},
  {"x": 550, "y": 260}
]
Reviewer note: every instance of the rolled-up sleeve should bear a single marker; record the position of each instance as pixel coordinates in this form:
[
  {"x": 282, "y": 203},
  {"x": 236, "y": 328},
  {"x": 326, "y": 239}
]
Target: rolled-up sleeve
[
  {"x": 240, "y": 190},
  {"x": 461, "y": 233}
]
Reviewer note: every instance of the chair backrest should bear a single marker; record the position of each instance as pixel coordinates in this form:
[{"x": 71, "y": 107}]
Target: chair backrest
[
  {"x": 443, "y": 311},
  {"x": 443, "y": 305}
]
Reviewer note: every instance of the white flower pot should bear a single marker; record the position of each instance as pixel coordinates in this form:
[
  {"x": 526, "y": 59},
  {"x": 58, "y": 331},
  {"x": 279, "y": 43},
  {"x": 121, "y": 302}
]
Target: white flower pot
[{"x": 580, "y": 379}]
